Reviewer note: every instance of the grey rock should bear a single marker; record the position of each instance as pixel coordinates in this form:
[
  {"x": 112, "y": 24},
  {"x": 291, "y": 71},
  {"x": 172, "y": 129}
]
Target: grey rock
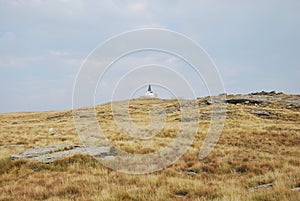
[
  {"x": 244, "y": 101},
  {"x": 190, "y": 173},
  {"x": 295, "y": 101},
  {"x": 293, "y": 107},
  {"x": 213, "y": 101},
  {"x": 51, "y": 153},
  {"x": 273, "y": 96},
  {"x": 296, "y": 189},
  {"x": 264, "y": 93},
  {"x": 262, "y": 186},
  {"x": 98, "y": 151}
]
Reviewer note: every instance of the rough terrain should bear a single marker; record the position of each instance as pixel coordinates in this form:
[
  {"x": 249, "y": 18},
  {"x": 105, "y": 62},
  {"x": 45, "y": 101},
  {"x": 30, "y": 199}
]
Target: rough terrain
[{"x": 256, "y": 158}]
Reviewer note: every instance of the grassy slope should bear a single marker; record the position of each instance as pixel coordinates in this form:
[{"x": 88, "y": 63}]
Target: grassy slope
[{"x": 251, "y": 151}]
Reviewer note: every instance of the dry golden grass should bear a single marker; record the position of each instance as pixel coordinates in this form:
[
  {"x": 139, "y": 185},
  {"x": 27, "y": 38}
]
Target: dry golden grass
[{"x": 252, "y": 151}]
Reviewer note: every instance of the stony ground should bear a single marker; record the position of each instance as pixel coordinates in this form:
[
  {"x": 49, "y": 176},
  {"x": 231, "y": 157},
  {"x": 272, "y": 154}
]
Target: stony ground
[{"x": 256, "y": 158}]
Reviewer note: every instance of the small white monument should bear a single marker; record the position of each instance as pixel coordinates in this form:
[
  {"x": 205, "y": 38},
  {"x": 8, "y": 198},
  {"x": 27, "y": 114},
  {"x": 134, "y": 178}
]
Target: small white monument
[{"x": 150, "y": 93}]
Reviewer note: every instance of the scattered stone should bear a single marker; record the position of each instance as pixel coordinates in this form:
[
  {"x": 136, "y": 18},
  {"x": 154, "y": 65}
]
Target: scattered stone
[
  {"x": 296, "y": 189},
  {"x": 51, "y": 153},
  {"x": 206, "y": 102},
  {"x": 244, "y": 101},
  {"x": 190, "y": 173},
  {"x": 269, "y": 185},
  {"x": 293, "y": 107},
  {"x": 181, "y": 194},
  {"x": 53, "y": 132},
  {"x": 263, "y": 186},
  {"x": 260, "y": 112}
]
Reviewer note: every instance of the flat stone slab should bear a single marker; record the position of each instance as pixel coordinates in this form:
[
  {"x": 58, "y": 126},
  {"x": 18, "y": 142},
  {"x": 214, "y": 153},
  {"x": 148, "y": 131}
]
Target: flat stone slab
[{"x": 51, "y": 153}]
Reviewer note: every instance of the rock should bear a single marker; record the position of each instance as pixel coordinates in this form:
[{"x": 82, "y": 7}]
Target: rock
[
  {"x": 296, "y": 189},
  {"x": 206, "y": 102},
  {"x": 263, "y": 186},
  {"x": 214, "y": 101},
  {"x": 98, "y": 151},
  {"x": 293, "y": 107},
  {"x": 53, "y": 132},
  {"x": 51, "y": 153},
  {"x": 260, "y": 112},
  {"x": 244, "y": 101},
  {"x": 190, "y": 173},
  {"x": 264, "y": 93},
  {"x": 295, "y": 101}
]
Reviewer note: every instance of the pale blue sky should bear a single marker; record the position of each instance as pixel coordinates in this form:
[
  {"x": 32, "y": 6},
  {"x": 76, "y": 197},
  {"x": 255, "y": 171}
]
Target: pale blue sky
[{"x": 255, "y": 44}]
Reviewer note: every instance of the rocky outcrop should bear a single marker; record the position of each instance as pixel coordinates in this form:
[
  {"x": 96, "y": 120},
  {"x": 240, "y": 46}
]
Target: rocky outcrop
[{"x": 51, "y": 153}]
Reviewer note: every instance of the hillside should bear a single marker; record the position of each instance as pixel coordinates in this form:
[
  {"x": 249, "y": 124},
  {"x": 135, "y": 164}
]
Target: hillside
[{"x": 259, "y": 145}]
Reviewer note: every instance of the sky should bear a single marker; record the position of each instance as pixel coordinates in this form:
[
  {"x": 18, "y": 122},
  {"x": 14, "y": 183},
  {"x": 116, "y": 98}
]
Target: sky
[{"x": 255, "y": 46}]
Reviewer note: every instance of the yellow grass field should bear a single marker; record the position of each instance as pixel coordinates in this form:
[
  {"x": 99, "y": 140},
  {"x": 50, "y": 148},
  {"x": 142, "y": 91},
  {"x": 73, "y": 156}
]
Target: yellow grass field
[{"x": 253, "y": 150}]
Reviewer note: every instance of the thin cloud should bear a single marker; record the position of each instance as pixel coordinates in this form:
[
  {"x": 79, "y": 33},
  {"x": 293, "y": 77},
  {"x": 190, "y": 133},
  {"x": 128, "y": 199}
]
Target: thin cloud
[{"x": 49, "y": 40}]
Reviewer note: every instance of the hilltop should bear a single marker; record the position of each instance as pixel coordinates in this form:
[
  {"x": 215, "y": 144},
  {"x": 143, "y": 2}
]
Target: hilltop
[{"x": 259, "y": 145}]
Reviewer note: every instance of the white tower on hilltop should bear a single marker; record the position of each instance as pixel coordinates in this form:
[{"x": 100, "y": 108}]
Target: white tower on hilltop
[{"x": 150, "y": 93}]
